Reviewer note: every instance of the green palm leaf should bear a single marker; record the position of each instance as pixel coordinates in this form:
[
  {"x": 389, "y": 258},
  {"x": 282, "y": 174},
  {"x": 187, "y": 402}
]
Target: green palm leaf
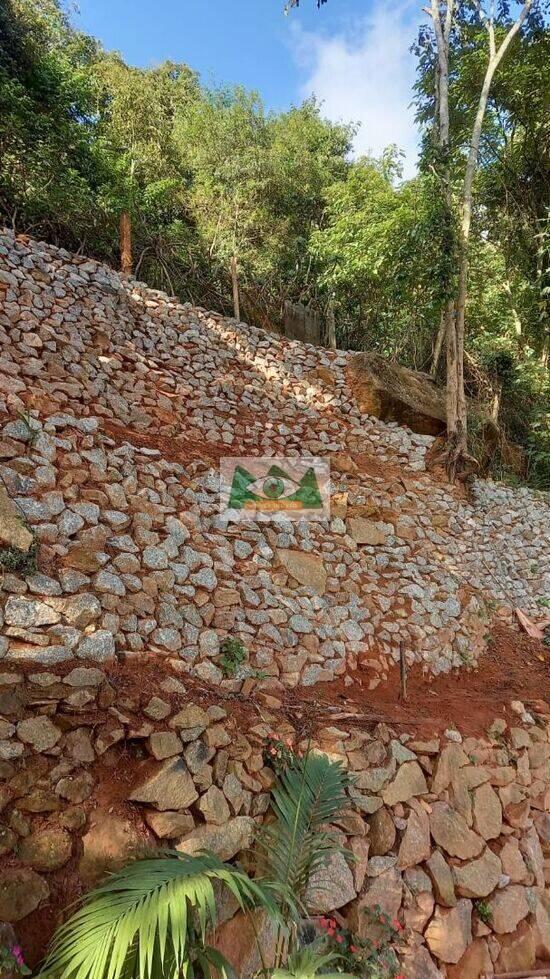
[
  {"x": 149, "y": 921},
  {"x": 307, "y": 963},
  {"x": 307, "y": 797}
]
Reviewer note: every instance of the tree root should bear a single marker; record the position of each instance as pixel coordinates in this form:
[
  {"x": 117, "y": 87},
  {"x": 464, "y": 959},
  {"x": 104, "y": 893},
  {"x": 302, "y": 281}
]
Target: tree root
[{"x": 456, "y": 459}]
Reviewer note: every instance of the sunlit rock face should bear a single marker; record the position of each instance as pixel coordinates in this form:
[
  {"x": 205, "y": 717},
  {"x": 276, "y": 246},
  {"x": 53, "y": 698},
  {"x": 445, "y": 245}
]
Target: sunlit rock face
[{"x": 118, "y": 403}]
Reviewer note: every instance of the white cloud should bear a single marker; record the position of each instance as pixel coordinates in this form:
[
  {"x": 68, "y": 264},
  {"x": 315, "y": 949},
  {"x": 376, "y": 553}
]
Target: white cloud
[{"x": 367, "y": 77}]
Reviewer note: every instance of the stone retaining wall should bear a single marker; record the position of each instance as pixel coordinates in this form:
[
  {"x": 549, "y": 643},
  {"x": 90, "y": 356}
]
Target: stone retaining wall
[
  {"x": 451, "y": 836},
  {"x": 116, "y": 403}
]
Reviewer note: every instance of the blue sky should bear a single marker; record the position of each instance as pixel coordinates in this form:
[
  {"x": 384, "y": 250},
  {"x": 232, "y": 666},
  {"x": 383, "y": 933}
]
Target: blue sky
[{"x": 353, "y": 54}]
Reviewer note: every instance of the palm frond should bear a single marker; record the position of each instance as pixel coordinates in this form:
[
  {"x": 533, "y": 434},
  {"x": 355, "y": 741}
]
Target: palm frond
[
  {"x": 307, "y": 797},
  {"x": 142, "y": 920},
  {"x": 307, "y": 963}
]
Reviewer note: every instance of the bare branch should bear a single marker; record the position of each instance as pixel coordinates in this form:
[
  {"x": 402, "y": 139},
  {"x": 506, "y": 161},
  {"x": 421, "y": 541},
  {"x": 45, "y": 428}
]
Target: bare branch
[
  {"x": 513, "y": 30},
  {"x": 448, "y": 20}
]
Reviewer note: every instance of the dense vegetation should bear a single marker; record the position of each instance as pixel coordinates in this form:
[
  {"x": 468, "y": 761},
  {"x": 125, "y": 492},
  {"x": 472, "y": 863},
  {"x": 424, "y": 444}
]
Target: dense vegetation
[{"x": 208, "y": 174}]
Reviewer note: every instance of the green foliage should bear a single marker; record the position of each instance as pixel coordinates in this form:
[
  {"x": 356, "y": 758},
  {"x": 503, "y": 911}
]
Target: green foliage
[
  {"x": 52, "y": 167},
  {"x": 383, "y": 256},
  {"x": 309, "y": 962},
  {"x": 280, "y": 755},
  {"x": 508, "y": 312},
  {"x": 483, "y": 911},
  {"x": 373, "y": 957},
  {"x": 305, "y": 799},
  {"x": 206, "y": 174},
  {"x": 19, "y": 562},
  {"x": 234, "y": 655},
  {"x": 12, "y": 962},
  {"x": 150, "y": 919}
]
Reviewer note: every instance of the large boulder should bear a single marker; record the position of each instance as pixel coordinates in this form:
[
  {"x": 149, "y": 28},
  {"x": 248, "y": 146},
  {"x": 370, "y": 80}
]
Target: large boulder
[
  {"x": 46, "y": 849},
  {"x": 330, "y": 886},
  {"x": 307, "y": 569},
  {"x": 384, "y": 892},
  {"x": 27, "y": 613},
  {"x": 508, "y": 907},
  {"x": 442, "y": 878},
  {"x": 450, "y": 830},
  {"x": 239, "y": 940},
  {"x": 364, "y": 531},
  {"x": 475, "y": 962},
  {"x": 418, "y": 964},
  {"x": 517, "y": 950},
  {"x": 415, "y": 845},
  {"x": 381, "y": 833},
  {"x": 450, "y": 932},
  {"x": 478, "y": 877},
  {"x": 13, "y": 533},
  {"x": 448, "y": 765},
  {"x": 167, "y": 787},
  {"x": 21, "y": 892},
  {"x": 225, "y": 841},
  {"x": 542, "y": 924},
  {"x": 169, "y": 825},
  {"x": 409, "y": 782},
  {"x": 487, "y": 812},
  {"x": 38, "y": 732},
  {"x": 110, "y": 842}
]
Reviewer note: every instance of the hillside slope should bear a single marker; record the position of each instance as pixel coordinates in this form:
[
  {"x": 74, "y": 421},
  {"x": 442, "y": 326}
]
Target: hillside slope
[
  {"x": 132, "y": 399},
  {"x": 119, "y": 726}
]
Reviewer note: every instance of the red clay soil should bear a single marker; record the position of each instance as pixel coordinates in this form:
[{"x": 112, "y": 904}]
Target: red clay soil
[
  {"x": 178, "y": 449},
  {"x": 514, "y": 667}
]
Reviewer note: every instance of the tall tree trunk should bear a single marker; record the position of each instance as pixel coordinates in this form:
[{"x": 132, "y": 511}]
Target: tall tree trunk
[
  {"x": 442, "y": 21},
  {"x": 235, "y": 284},
  {"x": 458, "y": 447},
  {"x": 439, "y": 341},
  {"x": 126, "y": 262},
  {"x": 331, "y": 328},
  {"x": 457, "y": 419}
]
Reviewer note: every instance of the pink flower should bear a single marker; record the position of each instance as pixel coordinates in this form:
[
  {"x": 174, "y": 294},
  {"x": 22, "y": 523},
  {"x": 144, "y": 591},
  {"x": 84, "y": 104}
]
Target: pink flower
[
  {"x": 353, "y": 949},
  {"x": 17, "y": 953},
  {"x": 339, "y": 939}
]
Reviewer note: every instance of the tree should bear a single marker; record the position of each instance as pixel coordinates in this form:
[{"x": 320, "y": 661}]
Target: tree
[
  {"x": 507, "y": 307},
  {"x": 457, "y": 422},
  {"x": 380, "y": 256},
  {"x": 446, "y": 16},
  {"x": 52, "y": 170}
]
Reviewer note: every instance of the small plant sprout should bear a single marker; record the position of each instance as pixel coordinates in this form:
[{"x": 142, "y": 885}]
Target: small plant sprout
[
  {"x": 234, "y": 654},
  {"x": 483, "y": 911}
]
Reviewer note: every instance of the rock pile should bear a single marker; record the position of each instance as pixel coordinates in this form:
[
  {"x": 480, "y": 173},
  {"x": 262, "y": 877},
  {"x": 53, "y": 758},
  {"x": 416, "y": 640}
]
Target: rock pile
[
  {"x": 450, "y": 837},
  {"x": 117, "y": 404}
]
